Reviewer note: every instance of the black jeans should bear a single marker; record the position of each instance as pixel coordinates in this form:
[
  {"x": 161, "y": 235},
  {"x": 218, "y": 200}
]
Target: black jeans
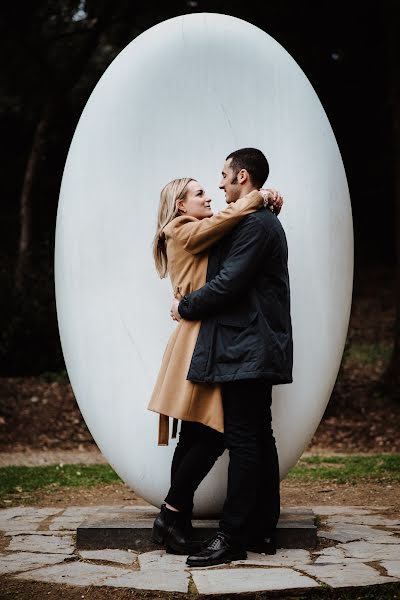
[
  {"x": 198, "y": 448},
  {"x": 252, "y": 504}
]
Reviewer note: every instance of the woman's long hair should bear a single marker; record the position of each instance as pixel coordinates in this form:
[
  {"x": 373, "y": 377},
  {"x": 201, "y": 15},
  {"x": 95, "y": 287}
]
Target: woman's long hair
[{"x": 170, "y": 194}]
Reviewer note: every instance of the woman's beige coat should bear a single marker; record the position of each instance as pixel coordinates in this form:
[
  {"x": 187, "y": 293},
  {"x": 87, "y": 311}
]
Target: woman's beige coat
[{"x": 187, "y": 241}]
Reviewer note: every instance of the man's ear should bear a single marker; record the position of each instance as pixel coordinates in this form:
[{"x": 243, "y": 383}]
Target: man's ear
[{"x": 242, "y": 176}]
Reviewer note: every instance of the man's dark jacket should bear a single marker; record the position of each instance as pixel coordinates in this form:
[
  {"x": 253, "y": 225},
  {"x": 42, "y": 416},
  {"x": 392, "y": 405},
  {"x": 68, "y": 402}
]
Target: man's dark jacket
[{"x": 246, "y": 330}]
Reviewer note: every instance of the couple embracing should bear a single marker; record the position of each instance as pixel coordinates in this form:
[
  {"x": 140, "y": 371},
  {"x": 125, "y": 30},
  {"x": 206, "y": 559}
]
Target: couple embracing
[{"x": 232, "y": 343}]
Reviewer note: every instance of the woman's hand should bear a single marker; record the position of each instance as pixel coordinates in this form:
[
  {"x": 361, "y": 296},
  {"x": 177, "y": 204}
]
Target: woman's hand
[
  {"x": 272, "y": 200},
  {"x": 174, "y": 311}
]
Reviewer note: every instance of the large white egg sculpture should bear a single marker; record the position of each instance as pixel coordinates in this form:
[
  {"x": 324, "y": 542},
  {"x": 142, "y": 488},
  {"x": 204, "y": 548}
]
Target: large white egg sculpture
[{"x": 175, "y": 102}]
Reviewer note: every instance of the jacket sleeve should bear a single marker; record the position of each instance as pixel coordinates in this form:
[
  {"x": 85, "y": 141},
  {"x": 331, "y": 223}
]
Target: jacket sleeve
[
  {"x": 198, "y": 235},
  {"x": 247, "y": 251}
]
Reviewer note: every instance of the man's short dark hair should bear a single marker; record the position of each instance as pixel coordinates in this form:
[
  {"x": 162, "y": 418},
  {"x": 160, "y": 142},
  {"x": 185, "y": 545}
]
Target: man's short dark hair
[{"x": 255, "y": 163}]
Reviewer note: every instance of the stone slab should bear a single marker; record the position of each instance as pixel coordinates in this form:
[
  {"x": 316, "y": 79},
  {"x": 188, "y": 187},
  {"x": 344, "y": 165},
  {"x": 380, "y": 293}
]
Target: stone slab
[
  {"x": 124, "y": 557},
  {"x": 24, "y": 518},
  {"x": 32, "y": 512},
  {"x": 349, "y": 532},
  {"x": 343, "y": 510},
  {"x": 333, "y": 555},
  {"x": 125, "y": 529},
  {"x": 282, "y": 558},
  {"x": 371, "y": 552},
  {"x": 73, "y": 511},
  {"x": 392, "y": 567},
  {"x": 73, "y": 516},
  {"x": 67, "y": 524},
  {"x": 16, "y": 534},
  {"x": 363, "y": 520},
  {"x": 23, "y": 561},
  {"x": 165, "y": 581},
  {"x": 353, "y": 574},
  {"x": 137, "y": 509},
  {"x": 235, "y": 581},
  {"x": 42, "y": 543},
  {"x": 75, "y": 573},
  {"x": 159, "y": 559},
  {"x": 25, "y": 526},
  {"x": 86, "y": 574}
]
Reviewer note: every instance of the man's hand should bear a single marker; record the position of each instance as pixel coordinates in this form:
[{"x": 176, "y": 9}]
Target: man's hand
[
  {"x": 174, "y": 311},
  {"x": 272, "y": 200}
]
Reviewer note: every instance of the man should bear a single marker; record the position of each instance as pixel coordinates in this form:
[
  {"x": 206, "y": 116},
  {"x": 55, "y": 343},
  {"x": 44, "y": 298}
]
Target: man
[{"x": 245, "y": 344}]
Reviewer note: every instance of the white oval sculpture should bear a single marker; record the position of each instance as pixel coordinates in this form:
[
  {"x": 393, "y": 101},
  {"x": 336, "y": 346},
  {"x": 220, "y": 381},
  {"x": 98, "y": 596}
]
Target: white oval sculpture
[{"x": 175, "y": 102}]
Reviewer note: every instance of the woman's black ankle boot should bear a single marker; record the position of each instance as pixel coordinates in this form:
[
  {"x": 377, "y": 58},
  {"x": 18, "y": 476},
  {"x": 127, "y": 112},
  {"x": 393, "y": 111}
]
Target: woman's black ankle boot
[{"x": 172, "y": 529}]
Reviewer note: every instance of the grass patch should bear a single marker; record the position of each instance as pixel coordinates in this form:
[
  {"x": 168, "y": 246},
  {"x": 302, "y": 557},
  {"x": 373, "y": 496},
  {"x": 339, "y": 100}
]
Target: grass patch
[
  {"x": 348, "y": 469},
  {"x": 16, "y": 480}
]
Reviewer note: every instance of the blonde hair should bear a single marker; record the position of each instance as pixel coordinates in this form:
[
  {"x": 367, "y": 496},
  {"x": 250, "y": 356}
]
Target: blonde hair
[{"x": 167, "y": 211}]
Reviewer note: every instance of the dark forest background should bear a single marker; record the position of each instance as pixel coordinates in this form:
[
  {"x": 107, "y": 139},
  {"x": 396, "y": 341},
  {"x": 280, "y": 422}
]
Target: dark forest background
[{"x": 52, "y": 55}]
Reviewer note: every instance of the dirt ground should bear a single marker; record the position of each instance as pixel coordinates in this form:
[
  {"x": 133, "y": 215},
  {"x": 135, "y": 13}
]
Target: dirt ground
[
  {"x": 33, "y": 590},
  {"x": 29, "y": 590},
  {"x": 36, "y": 414}
]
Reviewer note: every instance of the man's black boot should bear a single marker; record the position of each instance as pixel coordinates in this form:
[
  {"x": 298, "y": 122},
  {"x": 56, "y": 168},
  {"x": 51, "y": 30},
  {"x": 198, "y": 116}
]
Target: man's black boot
[
  {"x": 220, "y": 549},
  {"x": 173, "y": 530}
]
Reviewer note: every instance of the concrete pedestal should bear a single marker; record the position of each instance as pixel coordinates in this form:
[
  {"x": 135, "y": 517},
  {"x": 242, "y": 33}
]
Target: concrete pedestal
[{"x": 130, "y": 528}]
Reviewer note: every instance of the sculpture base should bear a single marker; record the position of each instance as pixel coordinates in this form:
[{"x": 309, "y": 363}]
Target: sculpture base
[{"x": 130, "y": 528}]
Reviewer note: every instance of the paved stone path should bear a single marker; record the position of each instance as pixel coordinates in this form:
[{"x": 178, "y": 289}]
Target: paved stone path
[{"x": 362, "y": 547}]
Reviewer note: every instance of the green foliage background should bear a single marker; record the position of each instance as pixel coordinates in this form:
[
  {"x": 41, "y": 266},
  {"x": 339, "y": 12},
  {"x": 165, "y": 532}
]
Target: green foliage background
[{"x": 54, "y": 52}]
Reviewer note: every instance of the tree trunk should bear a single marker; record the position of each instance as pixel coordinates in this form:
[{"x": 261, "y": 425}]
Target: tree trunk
[
  {"x": 94, "y": 30},
  {"x": 25, "y": 218}
]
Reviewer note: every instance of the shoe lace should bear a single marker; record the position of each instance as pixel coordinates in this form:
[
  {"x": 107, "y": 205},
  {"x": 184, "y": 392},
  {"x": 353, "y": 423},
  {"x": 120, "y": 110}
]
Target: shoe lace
[{"x": 214, "y": 542}]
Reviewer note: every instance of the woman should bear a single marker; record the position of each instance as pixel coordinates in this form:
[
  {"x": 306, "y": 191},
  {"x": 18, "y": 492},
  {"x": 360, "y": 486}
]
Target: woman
[{"x": 186, "y": 229}]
